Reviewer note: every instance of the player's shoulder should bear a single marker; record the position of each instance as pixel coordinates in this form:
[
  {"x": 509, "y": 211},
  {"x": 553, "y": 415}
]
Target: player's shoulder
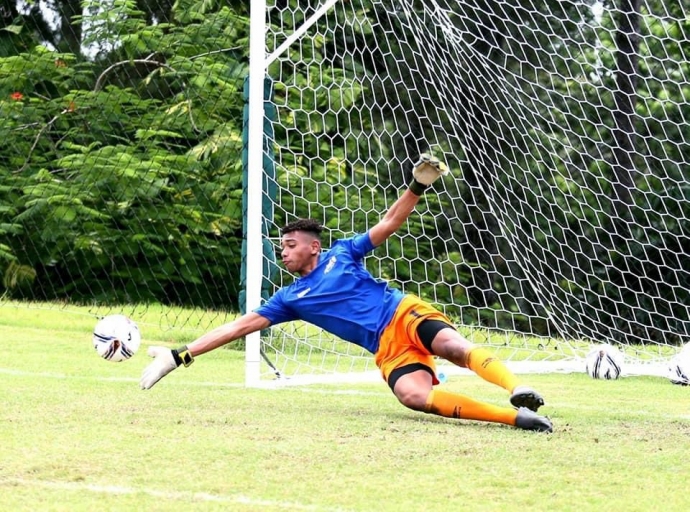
[{"x": 355, "y": 239}]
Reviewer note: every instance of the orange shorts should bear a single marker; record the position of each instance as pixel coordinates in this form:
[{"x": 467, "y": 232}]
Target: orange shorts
[{"x": 400, "y": 344}]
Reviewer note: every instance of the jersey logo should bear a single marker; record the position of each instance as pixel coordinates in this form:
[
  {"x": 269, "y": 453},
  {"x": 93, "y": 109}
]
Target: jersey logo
[
  {"x": 331, "y": 264},
  {"x": 303, "y": 293}
]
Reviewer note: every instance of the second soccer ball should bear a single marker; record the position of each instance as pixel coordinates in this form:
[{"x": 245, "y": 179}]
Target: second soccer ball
[
  {"x": 679, "y": 368},
  {"x": 604, "y": 362}
]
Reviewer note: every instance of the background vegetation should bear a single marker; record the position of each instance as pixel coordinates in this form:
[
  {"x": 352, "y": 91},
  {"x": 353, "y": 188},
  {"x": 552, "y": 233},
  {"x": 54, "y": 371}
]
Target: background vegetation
[{"x": 121, "y": 162}]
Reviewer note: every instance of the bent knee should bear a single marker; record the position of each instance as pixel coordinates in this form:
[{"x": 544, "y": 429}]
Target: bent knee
[
  {"x": 414, "y": 399},
  {"x": 455, "y": 349}
]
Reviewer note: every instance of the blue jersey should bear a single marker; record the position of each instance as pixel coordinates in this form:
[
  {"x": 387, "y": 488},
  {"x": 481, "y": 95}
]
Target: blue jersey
[{"x": 339, "y": 295}]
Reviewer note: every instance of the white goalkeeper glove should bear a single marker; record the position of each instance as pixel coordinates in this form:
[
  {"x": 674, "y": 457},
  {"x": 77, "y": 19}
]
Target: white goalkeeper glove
[
  {"x": 427, "y": 170},
  {"x": 164, "y": 361}
]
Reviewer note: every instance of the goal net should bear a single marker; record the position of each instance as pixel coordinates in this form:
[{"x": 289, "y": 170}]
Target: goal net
[
  {"x": 143, "y": 173},
  {"x": 564, "y": 222}
]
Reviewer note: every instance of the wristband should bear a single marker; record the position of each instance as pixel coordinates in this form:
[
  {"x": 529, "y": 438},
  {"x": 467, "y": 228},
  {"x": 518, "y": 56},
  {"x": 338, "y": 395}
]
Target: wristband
[
  {"x": 183, "y": 356},
  {"x": 417, "y": 188}
]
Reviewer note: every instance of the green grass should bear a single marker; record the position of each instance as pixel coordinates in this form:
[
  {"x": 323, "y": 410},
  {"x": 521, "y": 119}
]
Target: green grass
[{"x": 78, "y": 434}]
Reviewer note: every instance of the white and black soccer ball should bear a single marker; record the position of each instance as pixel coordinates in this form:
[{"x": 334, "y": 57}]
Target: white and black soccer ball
[
  {"x": 679, "y": 369},
  {"x": 604, "y": 362},
  {"x": 116, "y": 338}
]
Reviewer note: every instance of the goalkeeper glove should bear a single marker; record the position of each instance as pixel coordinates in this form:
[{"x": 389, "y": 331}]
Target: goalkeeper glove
[
  {"x": 427, "y": 170},
  {"x": 164, "y": 361}
]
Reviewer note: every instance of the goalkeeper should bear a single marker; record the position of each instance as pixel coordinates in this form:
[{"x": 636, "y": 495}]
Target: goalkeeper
[{"x": 337, "y": 293}]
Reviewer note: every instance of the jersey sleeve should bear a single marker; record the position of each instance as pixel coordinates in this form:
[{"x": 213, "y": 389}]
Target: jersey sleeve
[
  {"x": 361, "y": 245},
  {"x": 276, "y": 310}
]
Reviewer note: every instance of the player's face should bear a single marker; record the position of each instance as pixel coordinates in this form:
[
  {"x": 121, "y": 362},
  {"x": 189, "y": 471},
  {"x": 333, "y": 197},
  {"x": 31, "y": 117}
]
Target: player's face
[{"x": 300, "y": 252}]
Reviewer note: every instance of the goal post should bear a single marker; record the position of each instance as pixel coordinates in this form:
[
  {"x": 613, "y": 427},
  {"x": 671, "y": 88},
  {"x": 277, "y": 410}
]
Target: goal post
[
  {"x": 563, "y": 223},
  {"x": 253, "y": 224}
]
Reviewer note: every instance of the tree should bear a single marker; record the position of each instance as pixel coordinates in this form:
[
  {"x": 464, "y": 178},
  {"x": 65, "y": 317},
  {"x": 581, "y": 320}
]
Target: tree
[{"x": 119, "y": 191}]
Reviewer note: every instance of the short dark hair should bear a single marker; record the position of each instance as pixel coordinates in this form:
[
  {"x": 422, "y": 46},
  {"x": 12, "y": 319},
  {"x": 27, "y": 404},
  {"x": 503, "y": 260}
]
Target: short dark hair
[{"x": 309, "y": 225}]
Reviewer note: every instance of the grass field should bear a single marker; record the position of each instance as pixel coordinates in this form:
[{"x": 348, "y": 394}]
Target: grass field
[{"x": 79, "y": 435}]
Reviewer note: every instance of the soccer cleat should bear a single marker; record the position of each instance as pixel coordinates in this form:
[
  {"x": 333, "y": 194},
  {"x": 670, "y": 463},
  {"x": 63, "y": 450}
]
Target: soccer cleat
[
  {"x": 524, "y": 396},
  {"x": 529, "y": 420}
]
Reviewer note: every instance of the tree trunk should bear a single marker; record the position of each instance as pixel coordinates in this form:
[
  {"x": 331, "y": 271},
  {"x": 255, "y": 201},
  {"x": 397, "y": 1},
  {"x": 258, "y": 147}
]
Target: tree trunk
[
  {"x": 627, "y": 44},
  {"x": 70, "y": 32}
]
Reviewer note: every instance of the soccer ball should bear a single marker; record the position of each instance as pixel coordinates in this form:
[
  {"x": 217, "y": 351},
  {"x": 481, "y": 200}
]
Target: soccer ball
[
  {"x": 116, "y": 338},
  {"x": 604, "y": 362},
  {"x": 679, "y": 370}
]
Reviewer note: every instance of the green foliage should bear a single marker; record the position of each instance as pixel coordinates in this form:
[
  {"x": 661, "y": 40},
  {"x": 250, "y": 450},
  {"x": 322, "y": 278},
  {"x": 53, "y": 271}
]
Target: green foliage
[
  {"x": 119, "y": 181},
  {"x": 120, "y": 172}
]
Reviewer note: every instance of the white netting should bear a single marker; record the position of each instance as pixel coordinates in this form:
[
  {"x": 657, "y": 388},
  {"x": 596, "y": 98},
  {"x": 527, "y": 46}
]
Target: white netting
[{"x": 565, "y": 126}]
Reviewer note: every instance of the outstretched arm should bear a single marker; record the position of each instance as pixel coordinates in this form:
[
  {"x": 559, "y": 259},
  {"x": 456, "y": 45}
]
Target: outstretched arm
[
  {"x": 427, "y": 170},
  {"x": 166, "y": 360},
  {"x": 246, "y": 324}
]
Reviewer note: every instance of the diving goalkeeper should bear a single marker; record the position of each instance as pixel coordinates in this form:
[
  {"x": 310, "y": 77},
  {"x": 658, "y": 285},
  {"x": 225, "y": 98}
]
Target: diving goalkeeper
[{"x": 335, "y": 292}]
